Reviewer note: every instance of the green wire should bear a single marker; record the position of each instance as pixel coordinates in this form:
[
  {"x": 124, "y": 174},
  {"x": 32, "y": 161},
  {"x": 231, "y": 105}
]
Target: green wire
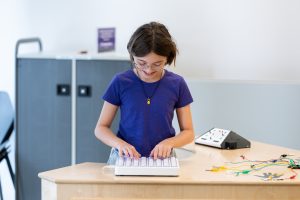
[{"x": 292, "y": 163}]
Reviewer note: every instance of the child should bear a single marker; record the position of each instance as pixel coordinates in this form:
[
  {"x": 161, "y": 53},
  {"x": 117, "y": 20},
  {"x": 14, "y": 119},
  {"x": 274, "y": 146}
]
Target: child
[{"x": 147, "y": 96}]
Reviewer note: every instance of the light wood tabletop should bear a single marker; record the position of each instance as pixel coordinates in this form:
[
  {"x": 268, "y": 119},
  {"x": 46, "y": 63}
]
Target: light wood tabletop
[{"x": 196, "y": 181}]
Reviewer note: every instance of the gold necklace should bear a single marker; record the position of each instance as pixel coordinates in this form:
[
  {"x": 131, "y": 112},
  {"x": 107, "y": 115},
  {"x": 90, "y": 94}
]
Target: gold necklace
[{"x": 148, "y": 97}]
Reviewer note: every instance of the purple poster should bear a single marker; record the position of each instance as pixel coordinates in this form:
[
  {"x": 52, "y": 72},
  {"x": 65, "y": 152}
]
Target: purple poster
[{"x": 106, "y": 39}]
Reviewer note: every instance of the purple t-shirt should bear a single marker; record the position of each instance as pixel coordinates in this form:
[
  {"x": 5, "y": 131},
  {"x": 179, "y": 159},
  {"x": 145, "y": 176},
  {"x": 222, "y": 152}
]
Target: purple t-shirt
[{"x": 143, "y": 125}]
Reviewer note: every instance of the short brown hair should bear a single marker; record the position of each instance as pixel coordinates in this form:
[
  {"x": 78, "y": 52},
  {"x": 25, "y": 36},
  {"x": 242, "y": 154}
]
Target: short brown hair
[{"x": 152, "y": 37}]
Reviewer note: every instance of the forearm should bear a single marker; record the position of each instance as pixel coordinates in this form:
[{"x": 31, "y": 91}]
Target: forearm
[
  {"x": 106, "y": 135},
  {"x": 182, "y": 138},
  {"x": 164, "y": 148}
]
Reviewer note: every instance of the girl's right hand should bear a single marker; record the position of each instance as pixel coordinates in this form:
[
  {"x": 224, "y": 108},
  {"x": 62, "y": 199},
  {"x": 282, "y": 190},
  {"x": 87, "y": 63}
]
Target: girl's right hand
[{"x": 128, "y": 150}]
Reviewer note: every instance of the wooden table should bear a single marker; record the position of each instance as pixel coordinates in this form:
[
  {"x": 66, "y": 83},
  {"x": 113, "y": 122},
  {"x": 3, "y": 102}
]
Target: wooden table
[{"x": 97, "y": 181}]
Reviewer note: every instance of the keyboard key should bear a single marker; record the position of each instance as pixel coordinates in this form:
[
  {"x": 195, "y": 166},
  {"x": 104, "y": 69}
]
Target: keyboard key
[
  {"x": 135, "y": 162},
  {"x": 158, "y": 162},
  {"x": 128, "y": 161},
  {"x": 166, "y": 162},
  {"x": 173, "y": 162},
  {"x": 151, "y": 162},
  {"x": 120, "y": 161},
  {"x": 143, "y": 162}
]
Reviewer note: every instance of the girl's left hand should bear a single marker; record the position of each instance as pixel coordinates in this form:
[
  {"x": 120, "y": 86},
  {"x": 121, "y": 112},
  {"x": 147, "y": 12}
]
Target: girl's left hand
[{"x": 162, "y": 150}]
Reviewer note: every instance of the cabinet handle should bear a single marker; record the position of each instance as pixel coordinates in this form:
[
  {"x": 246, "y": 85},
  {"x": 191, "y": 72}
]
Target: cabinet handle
[
  {"x": 63, "y": 90},
  {"x": 84, "y": 91}
]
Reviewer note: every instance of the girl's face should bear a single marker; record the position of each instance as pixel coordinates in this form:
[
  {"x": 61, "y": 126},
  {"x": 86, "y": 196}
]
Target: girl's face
[{"x": 150, "y": 67}]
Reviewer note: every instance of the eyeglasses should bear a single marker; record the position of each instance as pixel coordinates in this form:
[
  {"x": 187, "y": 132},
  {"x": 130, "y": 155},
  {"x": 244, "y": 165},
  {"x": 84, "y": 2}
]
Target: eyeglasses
[{"x": 155, "y": 67}]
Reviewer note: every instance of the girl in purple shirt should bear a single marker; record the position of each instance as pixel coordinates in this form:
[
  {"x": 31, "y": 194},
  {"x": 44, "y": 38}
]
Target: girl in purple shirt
[{"x": 147, "y": 96}]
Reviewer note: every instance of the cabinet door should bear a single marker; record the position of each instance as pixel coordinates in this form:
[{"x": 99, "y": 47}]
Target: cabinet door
[
  {"x": 43, "y": 122},
  {"x": 96, "y": 75}
]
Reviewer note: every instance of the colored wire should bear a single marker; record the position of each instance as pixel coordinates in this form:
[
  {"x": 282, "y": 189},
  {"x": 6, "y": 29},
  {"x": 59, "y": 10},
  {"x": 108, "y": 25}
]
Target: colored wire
[{"x": 248, "y": 166}]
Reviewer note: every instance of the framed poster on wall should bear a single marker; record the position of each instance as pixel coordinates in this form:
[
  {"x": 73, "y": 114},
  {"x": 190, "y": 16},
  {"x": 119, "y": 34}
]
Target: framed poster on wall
[{"x": 106, "y": 39}]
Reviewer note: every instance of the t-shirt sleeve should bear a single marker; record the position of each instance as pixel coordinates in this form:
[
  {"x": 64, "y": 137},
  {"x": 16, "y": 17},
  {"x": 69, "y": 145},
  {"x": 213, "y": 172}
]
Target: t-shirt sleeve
[
  {"x": 112, "y": 93},
  {"x": 185, "y": 97}
]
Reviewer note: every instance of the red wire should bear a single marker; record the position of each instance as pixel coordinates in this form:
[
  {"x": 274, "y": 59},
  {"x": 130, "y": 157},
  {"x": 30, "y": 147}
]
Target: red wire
[{"x": 295, "y": 174}]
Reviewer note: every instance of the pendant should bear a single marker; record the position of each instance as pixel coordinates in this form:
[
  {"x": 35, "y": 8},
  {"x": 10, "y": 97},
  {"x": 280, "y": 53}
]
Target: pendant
[{"x": 148, "y": 101}]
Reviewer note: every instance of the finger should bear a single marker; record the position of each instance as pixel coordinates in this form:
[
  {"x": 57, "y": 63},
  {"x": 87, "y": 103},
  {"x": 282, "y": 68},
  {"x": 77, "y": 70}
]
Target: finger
[
  {"x": 136, "y": 154},
  {"x": 125, "y": 152},
  {"x": 151, "y": 154},
  {"x": 165, "y": 152},
  {"x": 160, "y": 153},
  {"x": 169, "y": 152},
  {"x": 133, "y": 152},
  {"x": 155, "y": 152},
  {"x": 130, "y": 152},
  {"x": 120, "y": 152}
]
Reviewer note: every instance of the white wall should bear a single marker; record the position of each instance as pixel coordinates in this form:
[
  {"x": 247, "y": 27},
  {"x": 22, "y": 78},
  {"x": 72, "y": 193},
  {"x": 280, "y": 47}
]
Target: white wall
[
  {"x": 217, "y": 39},
  {"x": 11, "y": 26},
  {"x": 13, "y": 22}
]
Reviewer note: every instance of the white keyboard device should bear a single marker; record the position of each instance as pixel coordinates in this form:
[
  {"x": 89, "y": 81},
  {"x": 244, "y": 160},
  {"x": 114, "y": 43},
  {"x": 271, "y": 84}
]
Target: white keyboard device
[
  {"x": 223, "y": 139},
  {"x": 147, "y": 166},
  {"x": 214, "y": 137}
]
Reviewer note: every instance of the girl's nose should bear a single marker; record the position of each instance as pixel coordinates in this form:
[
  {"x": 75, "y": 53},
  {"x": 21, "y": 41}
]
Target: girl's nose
[{"x": 149, "y": 69}]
